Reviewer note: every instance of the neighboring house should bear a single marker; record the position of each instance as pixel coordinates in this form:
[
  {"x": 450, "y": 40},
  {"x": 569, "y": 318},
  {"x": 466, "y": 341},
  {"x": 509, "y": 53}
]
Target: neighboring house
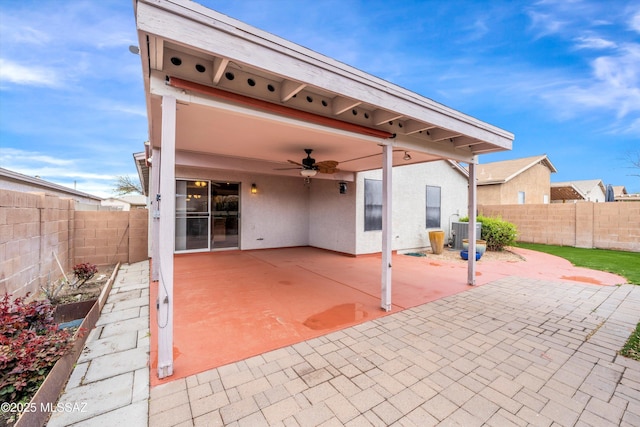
[
  {"x": 518, "y": 181},
  {"x": 126, "y": 202},
  {"x": 621, "y": 194},
  {"x": 231, "y": 111},
  {"x": 14, "y": 181},
  {"x": 620, "y": 191},
  {"x": 592, "y": 190}
]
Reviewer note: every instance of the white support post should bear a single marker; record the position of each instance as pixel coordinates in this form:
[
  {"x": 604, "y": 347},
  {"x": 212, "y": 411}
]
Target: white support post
[
  {"x": 387, "y": 195},
  {"x": 154, "y": 191},
  {"x": 166, "y": 237},
  {"x": 473, "y": 207}
]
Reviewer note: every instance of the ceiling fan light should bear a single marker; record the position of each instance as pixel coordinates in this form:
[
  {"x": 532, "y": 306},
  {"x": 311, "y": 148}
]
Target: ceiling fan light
[{"x": 308, "y": 173}]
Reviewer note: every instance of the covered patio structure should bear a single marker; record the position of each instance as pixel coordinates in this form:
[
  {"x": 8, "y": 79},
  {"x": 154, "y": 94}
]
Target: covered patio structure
[{"x": 230, "y": 106}]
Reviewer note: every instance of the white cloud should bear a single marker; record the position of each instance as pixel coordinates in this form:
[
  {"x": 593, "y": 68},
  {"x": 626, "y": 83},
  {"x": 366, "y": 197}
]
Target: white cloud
[
  {"x": 13, "y": 156},
  {"x": 586, "y": 42},
  {"x": 13, "y": 72},
  {"x": 544, "y": 24},
  {"x": 614, "y": 86},
  {"x": 634, "y": 22}
]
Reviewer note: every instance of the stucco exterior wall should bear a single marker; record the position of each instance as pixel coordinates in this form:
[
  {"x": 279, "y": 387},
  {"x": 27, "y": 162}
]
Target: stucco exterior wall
[
  {"x": 285, "y": 212},
  {"x": 535, "y": 182},
  {"x": 332, "y": 216},
  {"x": 277, "y": 216},
  {"x": 409, "y": 205}
]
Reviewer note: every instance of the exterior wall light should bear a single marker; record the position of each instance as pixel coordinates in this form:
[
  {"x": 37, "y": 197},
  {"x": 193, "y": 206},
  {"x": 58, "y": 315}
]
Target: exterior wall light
[
  {"x": 254, "y": 189},
  {"x": 343, "y": 187}
]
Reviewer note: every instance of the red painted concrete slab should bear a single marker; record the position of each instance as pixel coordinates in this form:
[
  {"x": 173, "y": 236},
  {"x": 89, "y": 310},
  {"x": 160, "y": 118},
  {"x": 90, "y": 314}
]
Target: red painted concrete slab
[{"x": 237, "y": 304}]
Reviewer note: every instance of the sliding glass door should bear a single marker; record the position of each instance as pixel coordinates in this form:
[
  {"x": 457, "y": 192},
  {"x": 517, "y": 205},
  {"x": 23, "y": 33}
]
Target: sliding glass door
[
  {"x": 225, "y": 214},
  {"x": 192, "y": 215}
]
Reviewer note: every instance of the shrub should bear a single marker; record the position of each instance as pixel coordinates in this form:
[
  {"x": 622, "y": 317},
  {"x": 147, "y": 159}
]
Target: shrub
[
  {"x": 30, "y": 344},
  {"x": 84, "y": 272},
  {"x": 497, "y": 232}
]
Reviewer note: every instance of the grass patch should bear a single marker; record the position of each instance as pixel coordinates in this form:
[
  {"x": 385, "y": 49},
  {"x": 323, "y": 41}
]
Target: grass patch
[
  {"x": 632, "y": 348},
  {"x": 625, "y": 264}
]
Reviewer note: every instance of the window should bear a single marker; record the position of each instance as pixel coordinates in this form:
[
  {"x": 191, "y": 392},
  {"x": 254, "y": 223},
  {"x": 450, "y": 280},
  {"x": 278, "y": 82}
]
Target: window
[
  {"x": 545, "y": 199},
  {"x": 433, "y": 207},
  {"x": 521, "y": 197},
  {"x": 372, "y": 205}
]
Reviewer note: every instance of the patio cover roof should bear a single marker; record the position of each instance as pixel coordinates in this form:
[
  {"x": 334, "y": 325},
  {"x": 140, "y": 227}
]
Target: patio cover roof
[{"x": 265, "y": 99}]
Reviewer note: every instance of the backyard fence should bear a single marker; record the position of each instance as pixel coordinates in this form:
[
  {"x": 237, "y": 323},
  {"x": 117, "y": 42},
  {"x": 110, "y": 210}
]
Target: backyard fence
[
  {"x": 38, "y": 231},
  {"x": 582, "y": 225}
]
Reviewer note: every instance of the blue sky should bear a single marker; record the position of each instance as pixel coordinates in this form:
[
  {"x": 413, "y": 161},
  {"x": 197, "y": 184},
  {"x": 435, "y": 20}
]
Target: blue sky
[{"x": 563, "y": 76}]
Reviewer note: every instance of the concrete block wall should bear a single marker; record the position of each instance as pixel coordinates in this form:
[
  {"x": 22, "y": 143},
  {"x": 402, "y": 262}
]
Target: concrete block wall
[
  {"x": 584, "y": 225},
  {"x": 34, "y": 227},
  {"x": 110, "y": 237},
  {"x": 617, "y": 225}
]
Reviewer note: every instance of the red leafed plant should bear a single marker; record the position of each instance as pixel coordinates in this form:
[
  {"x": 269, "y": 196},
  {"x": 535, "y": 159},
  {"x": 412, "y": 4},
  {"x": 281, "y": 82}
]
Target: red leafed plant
[
  {"x": 84, "y": 272},
  {"x": 30, "y": 344}
]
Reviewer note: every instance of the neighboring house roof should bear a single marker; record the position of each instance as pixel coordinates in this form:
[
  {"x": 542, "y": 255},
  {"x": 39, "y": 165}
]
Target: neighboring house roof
[
  {"x": 10, "y": 180},
  {"x": 504, "y": 171},
  {"x": 619, "y": 190},
  {"x": 131, "y": 199},
  {"x": 574, "y": 190},
  {"x": 142, "y": 166}
]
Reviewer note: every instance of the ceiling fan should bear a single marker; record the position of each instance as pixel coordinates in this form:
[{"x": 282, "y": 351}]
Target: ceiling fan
[{"x": 311, "y": 168}]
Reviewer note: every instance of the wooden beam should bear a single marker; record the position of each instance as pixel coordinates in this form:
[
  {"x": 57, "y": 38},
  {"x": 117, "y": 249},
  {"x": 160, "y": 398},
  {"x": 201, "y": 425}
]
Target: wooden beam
[
  {"x": 465, "y": 141},
  {"x": 289, "y": 88},
  {"x": 167, "y": 236},
  {"x": 277, "y": 108},
  {"x": 440, "y": 134},
  {"x": 414, "y": 126},
  {"x": 339, "y": 105},
  {"x": 156, "y": 53},
  {"x": 219, "y": 67},
  {"x": 384, "y": 116},
  {"x": 387, "y": 240}
]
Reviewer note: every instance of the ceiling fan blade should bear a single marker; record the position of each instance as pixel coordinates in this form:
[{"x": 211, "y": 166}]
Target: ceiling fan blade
[
  {"x": 286, "y": 169},
  {"x": 295, "y": 163},
  {"x": 328, "y": 164},
  {"x": 327, "y": 170}
]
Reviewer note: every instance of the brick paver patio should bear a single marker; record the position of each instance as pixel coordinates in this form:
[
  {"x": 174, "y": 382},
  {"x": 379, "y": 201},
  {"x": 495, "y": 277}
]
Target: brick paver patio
[{"x": 516, "y": 351}]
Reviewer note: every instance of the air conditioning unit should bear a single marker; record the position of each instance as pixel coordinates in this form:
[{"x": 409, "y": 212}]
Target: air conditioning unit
[{"x": 460, "y": 231}]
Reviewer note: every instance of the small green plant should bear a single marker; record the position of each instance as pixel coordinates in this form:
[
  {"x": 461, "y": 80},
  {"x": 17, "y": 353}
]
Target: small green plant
[
  {"x": 30, "y": 344},
  {"x": 632, "y": 348},
  {"x": 497, "y": 232},
  {"x": 83, "y": 272}
]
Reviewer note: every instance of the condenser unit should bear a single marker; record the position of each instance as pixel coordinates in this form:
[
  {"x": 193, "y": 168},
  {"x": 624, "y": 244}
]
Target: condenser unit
[{"x": 460, "y": 230}]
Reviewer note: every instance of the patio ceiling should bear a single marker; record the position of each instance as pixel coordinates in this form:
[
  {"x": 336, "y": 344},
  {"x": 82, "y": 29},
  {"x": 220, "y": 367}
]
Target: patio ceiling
[{"x": 256, "y": 100}]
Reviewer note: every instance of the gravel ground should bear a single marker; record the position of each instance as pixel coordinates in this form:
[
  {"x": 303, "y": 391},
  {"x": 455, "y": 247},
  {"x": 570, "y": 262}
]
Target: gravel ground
[{"x": 454, "y": 255}]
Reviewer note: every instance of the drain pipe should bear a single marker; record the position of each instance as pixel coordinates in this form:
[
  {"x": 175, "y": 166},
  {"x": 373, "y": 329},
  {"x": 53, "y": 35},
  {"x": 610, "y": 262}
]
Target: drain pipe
[{"x": 451, "y": 235}]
